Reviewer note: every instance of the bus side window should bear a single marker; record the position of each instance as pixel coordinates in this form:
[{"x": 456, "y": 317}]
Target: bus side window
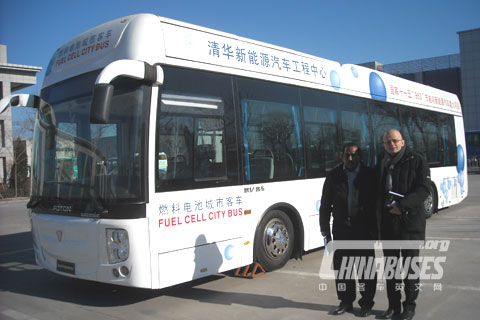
[
  {"x": 196, "y": 141},
  {"x": 273, "y": 142},
  {"x": 271, "y": 131},
  {"x": 432, "y": 135},
  {"x": 320, "y": 140},
  {"x": 190, "y": 141},
  {"x": 174, "y": 146},
  {"x": 209, "y": 159}
]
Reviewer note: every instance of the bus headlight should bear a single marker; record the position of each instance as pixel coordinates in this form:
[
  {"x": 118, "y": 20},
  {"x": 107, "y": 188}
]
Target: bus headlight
[{"x": 117, "y": 245}]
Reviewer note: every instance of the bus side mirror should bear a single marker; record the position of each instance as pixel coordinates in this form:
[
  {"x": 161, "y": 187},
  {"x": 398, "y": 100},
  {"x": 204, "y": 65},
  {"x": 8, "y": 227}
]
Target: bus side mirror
[{"x": 100, "y": 108}]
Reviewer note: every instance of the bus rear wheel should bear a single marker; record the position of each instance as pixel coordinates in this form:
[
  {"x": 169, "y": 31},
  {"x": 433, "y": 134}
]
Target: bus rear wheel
[
  {"x": 274, "y": 240},
  {"x": 429, "y": 205}
]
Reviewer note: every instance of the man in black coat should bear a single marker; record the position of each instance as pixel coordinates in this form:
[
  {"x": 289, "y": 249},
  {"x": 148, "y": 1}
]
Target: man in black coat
[
  {"x": 348, "y": 195},
  {"x": 401, "y": 217}
]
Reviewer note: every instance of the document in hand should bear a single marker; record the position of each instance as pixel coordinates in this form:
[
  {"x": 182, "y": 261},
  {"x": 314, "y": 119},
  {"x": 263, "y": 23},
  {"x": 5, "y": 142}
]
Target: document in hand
[{"x": 393, "y": 198}]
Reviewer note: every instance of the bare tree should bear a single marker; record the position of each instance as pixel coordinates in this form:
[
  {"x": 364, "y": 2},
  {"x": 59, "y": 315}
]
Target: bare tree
[
  {"x": 16, "y": 136},
  {"x": 20, "y": 177},
  {"x": 22, "y": 124}
]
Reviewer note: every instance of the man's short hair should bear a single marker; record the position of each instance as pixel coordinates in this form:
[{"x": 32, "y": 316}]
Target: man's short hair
[
  {"x": 390, "y": 130},
  {"x": 351, "y": 144}
]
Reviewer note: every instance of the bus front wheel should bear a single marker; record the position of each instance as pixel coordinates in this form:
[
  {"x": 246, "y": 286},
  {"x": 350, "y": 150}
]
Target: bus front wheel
[{"x": 274, "y": 240}]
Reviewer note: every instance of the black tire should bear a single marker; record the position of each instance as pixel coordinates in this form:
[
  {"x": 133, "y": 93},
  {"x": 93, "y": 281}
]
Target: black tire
[
  {"x": 429, "y": 205},
  {"x": 274, "y": 240}
]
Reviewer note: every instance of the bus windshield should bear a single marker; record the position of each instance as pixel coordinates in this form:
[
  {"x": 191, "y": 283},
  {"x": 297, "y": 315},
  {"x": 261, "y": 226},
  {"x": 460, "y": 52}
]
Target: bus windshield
[{"x": 79, "y": 167}]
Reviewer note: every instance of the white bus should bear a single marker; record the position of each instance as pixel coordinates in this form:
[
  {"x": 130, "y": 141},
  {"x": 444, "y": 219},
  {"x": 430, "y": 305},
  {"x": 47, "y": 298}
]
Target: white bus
[{"x": 165, "y": 152}]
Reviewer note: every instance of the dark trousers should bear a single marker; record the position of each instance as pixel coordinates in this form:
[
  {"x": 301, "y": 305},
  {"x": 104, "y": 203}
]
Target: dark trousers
[
  {"x": 395, "y": 283},
  {"x": 346, "y": 262}
]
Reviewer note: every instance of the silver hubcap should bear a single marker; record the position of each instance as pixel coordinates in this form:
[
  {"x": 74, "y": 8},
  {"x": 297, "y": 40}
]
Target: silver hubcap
[
  {"x": 428, "y": 203},
  {"x": 276, "y": 239}
]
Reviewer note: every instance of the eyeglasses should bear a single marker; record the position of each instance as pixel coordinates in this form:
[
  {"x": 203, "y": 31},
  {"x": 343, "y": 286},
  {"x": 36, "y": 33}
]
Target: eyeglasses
[
  {"x": 395, "y": 141},
  {"x": 353, "y": 155}
]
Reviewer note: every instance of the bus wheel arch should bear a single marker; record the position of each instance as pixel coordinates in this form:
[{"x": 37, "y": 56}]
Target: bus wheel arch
[{"x": 278, "y": 237}]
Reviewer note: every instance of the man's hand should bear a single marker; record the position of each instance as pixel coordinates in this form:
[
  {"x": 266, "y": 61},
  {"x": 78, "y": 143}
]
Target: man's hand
[
  {"x": 394, "y": 209},
  {"x": 327, "y": 237}
]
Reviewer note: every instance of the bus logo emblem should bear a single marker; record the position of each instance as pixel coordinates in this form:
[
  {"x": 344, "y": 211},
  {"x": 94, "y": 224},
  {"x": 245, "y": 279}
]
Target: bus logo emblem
[{"x": 59, "y": 235}]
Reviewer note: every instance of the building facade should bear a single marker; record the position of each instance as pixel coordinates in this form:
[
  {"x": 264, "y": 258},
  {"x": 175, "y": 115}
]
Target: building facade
[
  {"x": 456, "y": 73},
  {"x": 470, "y": 61}
]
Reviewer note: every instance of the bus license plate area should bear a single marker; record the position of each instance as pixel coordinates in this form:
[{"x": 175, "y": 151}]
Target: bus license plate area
[{"x": 67, "y": 267}]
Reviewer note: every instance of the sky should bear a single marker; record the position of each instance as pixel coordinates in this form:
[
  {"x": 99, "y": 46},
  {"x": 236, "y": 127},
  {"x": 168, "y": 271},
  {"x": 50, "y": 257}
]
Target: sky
[{"x": 352, "y": 31}]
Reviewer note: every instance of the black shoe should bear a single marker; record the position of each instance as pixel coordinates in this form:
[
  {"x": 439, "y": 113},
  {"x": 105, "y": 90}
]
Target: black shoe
[
  {"x": 364, "y": 312},
  {"x": 389, "y": 314},
  {"x": 341, "y": 309},
  {"x": 407, "y": 314}
]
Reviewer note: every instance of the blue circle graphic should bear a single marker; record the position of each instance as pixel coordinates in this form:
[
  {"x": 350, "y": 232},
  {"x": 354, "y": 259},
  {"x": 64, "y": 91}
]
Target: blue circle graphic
[
  {"x": 335, "y": 79},
  {"x": 354, "y": 71},
  {"x": 460, "y": 159},
  {"x": 229, "y": 252},
  {"x": 378, "y": 90}
]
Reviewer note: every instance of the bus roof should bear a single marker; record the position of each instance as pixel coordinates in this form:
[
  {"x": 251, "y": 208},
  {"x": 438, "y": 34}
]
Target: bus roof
[{"x": 158, "y": 40}]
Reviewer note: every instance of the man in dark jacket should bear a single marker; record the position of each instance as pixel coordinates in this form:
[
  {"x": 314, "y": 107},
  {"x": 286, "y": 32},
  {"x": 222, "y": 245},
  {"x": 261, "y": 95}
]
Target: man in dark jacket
[
  {"x": 348, "y": 195},
  {"x": 401, "y": 217}
]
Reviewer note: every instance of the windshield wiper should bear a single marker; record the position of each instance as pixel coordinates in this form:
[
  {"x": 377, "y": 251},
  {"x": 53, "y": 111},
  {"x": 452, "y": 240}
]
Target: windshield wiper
[
  {"x": 94, "y": 206},
  {"x": 97, "y": 205},
  {"x": 35, "y": 201}
]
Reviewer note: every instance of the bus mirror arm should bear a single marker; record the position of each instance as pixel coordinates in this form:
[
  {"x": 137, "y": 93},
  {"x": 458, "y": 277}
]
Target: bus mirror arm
[
  {"x": 21, "y": 100},
  {"x": 33, "y": 101},
  {"x": 28, "y": 101}
]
